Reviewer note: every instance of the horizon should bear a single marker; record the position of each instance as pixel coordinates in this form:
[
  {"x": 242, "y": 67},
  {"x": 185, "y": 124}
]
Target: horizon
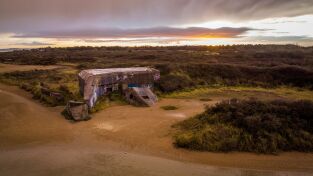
[
  {"x": 39, "y": 24},
  {"x": 149, "y": 46}
]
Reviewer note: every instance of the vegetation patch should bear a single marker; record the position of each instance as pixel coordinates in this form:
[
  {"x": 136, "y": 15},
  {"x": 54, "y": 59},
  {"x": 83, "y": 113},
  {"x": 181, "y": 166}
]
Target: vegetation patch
[
  {"x": 239, "y": 71},
  {"x": 51, "y": 87},
  {"x": 250, "y": 126},
  {"x": 169, "y": 108},
  {"x": 246, "y": 92},
  {"x": 205, "y": 99},
  {"x": 184, "y": 67},
  {"x": 108, "y": 101}
]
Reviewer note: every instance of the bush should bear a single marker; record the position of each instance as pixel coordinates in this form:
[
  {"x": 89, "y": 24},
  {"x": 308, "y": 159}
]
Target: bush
[
  {"x": 101, "y": 104},
  {"x": 205, "y": 99},
  {"x": 195, "y": 74},
  {"x": 211, "y": 138},
  {"x": 34, "y": 80},
  {"x": 169, "y": 108},
  {"x": 250, "y": 125},
  {"x": 181, "y": 67},
  {"x": 170, "y": 83}
]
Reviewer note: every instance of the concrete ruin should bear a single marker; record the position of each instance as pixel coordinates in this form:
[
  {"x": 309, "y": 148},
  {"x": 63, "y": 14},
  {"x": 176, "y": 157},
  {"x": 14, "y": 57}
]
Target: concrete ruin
[
  {"x": 77, "y": 111},
  {"x": 136, "y": 83}
]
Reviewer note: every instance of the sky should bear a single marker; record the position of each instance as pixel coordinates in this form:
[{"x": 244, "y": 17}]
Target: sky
[{"x": 62, "y": 23}]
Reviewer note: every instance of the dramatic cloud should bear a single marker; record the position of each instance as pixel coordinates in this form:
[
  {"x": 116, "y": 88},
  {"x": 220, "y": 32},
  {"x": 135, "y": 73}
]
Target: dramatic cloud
[
  {"x": 34, "y": 43},
  {"x": 37, "y": 15},
  {"x": 281, "y": 39},
  {"x": 163, "y": 41},
  {"x": 193, "y": 32},
  {"x": 118, "y": 22}
]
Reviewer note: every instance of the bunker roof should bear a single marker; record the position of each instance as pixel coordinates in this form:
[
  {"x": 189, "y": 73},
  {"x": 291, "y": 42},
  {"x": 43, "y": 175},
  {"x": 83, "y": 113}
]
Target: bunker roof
[{"x": 102, "y": 72}]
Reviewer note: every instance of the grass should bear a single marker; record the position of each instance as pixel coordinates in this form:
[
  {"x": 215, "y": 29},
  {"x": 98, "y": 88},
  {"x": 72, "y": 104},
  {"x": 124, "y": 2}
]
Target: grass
[
  {"x": 205, "y": 99},
  {"x": 169, "y": 108},
  {"x": 101, "y": 104},
  {"x": 63, "y": 81},
  {"x": 207, "y": 93},
  {"x": 67, "y": 77},
  {"x": 187, "y": 66},
  {"x": 186, "y": 71},
  {"x": 250, "y": 126},
  {"x": 108, "y": 101}
]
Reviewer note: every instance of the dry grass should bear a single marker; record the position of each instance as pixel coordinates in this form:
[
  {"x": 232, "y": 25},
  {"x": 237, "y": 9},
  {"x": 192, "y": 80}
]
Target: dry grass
[
  {"x": 169, "y": 108},
  {"x": 244, "y": 92}
]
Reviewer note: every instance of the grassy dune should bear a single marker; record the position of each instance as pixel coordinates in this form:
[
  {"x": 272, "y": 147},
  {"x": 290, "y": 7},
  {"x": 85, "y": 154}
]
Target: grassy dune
[
  {"x": 271, "y": 73},
  {"x": 61, "y": 80},
  {"x": 250, "y": 125},
  {"x": 282, "y": 92}
]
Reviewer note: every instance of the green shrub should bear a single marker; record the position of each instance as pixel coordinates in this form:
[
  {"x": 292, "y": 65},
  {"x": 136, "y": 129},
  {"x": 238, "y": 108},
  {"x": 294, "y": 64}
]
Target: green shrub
[
  {"x": 210, "y": 138},
  {"x": 205, "y": 99},
  {"x": 170, "y": 83},
  {"x": 250, "y": 125},
  {"x": 53, "y": 80},
  {"x": 181, "y": 67},
  {"x": 169, "y": 108},
  {"x": 102, "y": 103},
  {"x": 26, "y": 87}
]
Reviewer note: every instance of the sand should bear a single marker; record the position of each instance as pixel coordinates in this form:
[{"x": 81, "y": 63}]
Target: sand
[{"x": 120, "y": 140}]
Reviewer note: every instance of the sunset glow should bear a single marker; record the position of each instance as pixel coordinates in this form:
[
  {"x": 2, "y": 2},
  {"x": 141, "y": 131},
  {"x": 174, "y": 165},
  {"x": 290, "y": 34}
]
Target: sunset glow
[{"x": 143, "y": 22}]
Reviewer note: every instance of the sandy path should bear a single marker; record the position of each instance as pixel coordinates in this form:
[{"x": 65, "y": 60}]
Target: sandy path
[
  {"x": 24, "y": 121},
  {"x": 70, "y": 160}
]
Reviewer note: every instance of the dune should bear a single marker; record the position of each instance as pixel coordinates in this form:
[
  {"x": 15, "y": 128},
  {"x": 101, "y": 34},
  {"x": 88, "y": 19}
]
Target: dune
[{"x": 120, "y": 140}]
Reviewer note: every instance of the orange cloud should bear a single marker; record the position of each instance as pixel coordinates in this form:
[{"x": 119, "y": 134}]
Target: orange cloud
[{"x": 158, "y": 32}]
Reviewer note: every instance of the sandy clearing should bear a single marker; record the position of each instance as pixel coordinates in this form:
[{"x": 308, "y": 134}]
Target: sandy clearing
[
  {"x": 24, "y": 121},
  {"x": 71, "y": 160},
  {"x": 148, "y": 131},
  {"x": 178, "y": 115}
]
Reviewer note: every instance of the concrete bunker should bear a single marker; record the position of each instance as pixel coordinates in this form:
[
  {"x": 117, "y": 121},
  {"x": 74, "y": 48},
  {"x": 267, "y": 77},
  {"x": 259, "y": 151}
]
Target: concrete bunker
[
  {"x": 136, "y": 83},
  {"x": 77, "y": 110}
]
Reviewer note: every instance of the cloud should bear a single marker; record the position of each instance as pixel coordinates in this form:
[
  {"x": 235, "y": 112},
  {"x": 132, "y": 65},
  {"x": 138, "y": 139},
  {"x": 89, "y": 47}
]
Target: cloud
[
  {"x": 282, "y": 22},
  {"x": 163, "y": 41},
  {"x": 34, "y": 43},
  {"x": 140, "y": 20},
  {"x": 304, "y": 40},
  {"x": 165, "y": 32},
  {"x": 19, "y": 16}
]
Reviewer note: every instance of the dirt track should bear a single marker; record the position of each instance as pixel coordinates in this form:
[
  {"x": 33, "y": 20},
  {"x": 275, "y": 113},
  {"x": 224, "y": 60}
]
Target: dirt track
[{"x": 121, "y": 140}]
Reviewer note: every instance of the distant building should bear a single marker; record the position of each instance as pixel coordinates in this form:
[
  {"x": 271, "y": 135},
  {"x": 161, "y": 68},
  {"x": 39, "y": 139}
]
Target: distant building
[{"x": 135, "y": 83}]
